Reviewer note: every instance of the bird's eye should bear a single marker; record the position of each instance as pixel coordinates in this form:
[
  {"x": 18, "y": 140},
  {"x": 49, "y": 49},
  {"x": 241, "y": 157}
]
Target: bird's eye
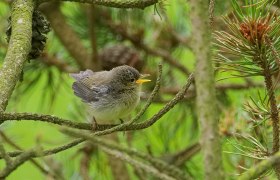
[{"x": 132, "y": 80}]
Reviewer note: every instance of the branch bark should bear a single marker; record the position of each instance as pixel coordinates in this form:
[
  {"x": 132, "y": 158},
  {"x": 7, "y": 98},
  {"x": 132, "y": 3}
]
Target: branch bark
[
  {"x": 157, "y": 163},
  {"x": 141, "y": 4},
  {"x": 274, "y": 114},
  {"x": 18, "y": 49},
  {"x": 22, "y": 158},
  {"x": 205, "y": 89}
]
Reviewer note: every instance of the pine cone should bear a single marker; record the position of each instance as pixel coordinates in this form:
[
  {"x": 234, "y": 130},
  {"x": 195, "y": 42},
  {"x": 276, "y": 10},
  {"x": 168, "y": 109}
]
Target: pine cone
[
  {"x": 40, "y": 27},
  {"x": 118, "y": 55}
]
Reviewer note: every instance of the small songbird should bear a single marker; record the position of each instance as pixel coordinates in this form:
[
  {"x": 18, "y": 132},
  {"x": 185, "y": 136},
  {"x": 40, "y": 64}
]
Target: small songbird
[{"x": 111, "y": 95}]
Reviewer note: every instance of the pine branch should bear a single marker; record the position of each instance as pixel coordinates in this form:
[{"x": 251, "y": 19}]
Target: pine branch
[
  {"x": 13, "y": 144},
  {"x": 18, "y": 50},
  {"x": 22, "y": 158},
  {"x": 5, "y": 156},
  {"x": 182, "y": 156},
  {"x": 49, "y": 151},
  {"x": 206, "y": 101},
  {"x": 261, "y": 167},
  {"x": 157, "y": 163},
  {"x": 137, "y": 164},
  {"x": 141, "y": 4}
]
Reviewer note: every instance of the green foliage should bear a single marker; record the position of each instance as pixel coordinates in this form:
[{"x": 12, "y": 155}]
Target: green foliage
[
  {"x": 250, "y": 47},
  {"x": 246, "y": 129}
]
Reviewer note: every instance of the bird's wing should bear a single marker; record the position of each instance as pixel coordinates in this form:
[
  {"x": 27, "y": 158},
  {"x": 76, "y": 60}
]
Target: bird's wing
[
  {"x": 91, "y": 88},
  {"x": 82, "y": 74}
]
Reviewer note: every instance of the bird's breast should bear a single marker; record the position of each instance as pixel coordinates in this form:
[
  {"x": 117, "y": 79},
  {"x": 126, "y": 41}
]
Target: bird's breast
[{"x": 118, "y": 103}]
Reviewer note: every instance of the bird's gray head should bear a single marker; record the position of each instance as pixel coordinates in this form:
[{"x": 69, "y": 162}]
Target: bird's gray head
[{"x": 126, "y": 75}]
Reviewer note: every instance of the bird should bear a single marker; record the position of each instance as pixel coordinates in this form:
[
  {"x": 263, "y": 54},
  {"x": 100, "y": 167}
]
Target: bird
[{"x": 111, "y": 95}]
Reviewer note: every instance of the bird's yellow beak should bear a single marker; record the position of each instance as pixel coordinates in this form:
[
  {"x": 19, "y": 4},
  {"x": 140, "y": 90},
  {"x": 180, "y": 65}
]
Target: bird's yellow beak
[{"x": 140, "y": 81}]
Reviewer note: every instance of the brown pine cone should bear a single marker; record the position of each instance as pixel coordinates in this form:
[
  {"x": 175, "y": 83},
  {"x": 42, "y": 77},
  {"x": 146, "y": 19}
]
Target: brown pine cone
[
  {"x": 118, "y": 55},
  {"x": 40, "y": 28}
]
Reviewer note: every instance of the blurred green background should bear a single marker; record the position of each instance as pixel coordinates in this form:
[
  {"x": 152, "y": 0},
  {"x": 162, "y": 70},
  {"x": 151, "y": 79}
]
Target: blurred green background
[{"x": 47, "y": 90}]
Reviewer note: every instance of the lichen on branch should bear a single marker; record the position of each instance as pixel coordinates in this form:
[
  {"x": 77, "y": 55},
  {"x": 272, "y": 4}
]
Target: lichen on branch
[{"x": 18, "y": 49}]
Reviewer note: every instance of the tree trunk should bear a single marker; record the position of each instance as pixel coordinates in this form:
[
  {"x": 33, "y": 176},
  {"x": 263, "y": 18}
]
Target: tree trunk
[{"x": 205, "y": 89}]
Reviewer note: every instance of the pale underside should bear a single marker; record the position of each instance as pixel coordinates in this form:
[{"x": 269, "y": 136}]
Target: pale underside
[
  {"x": 114, "y": 111},
  {"x": 107, "y": 103}
]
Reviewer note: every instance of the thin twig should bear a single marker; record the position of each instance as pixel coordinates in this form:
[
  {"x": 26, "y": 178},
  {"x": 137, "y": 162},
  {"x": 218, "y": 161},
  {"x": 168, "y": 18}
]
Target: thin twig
[
  {"x": 182, "y": 156},
  {"x": 50, "y": 119},
  {"x": 153, "y": 94},
  {"x": 10, "y": 142},
  {"x": 6, "y": 157},
  {"x": 211, "y": 13},
  {"x": 22, "y": 158},
  {"x": 159, "y": 164},
  {"x": 50, "y": 151},
  {"x": 114, "y": 3},
  {"x": 137, "y": 164}
]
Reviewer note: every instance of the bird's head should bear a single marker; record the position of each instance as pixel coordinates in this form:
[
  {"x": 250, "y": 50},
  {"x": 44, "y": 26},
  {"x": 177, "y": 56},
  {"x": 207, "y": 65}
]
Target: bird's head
[{"x": 128, "y": 76}]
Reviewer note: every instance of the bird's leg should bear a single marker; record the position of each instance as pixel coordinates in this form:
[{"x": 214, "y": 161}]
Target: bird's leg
[
  {"x": 122, "y": 121},
  {"x": 94, "y": 123}
]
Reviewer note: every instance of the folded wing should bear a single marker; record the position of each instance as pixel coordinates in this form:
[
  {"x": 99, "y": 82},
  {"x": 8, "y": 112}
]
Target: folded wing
[{"x": 89, "y": 86}]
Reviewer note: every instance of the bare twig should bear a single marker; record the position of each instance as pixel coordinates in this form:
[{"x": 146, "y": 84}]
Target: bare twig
[
  {"x": 159, "y": 164},
  {"x": 50, "y": 119},
  {"x": 114, "y": 3},
  {"x": 211, "y": 13},
  {"x": 22, "y": 158},
  {"x": 10, "y": 142},
  {"x": 220, "y": 87},
  {"x": 5, "y": 156},
  {"x": 137, "y": 164},
  {"x": 50, "y": 151},
  {"x": 151, "y": 97},
  {"x": 182, "y": 156}
]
